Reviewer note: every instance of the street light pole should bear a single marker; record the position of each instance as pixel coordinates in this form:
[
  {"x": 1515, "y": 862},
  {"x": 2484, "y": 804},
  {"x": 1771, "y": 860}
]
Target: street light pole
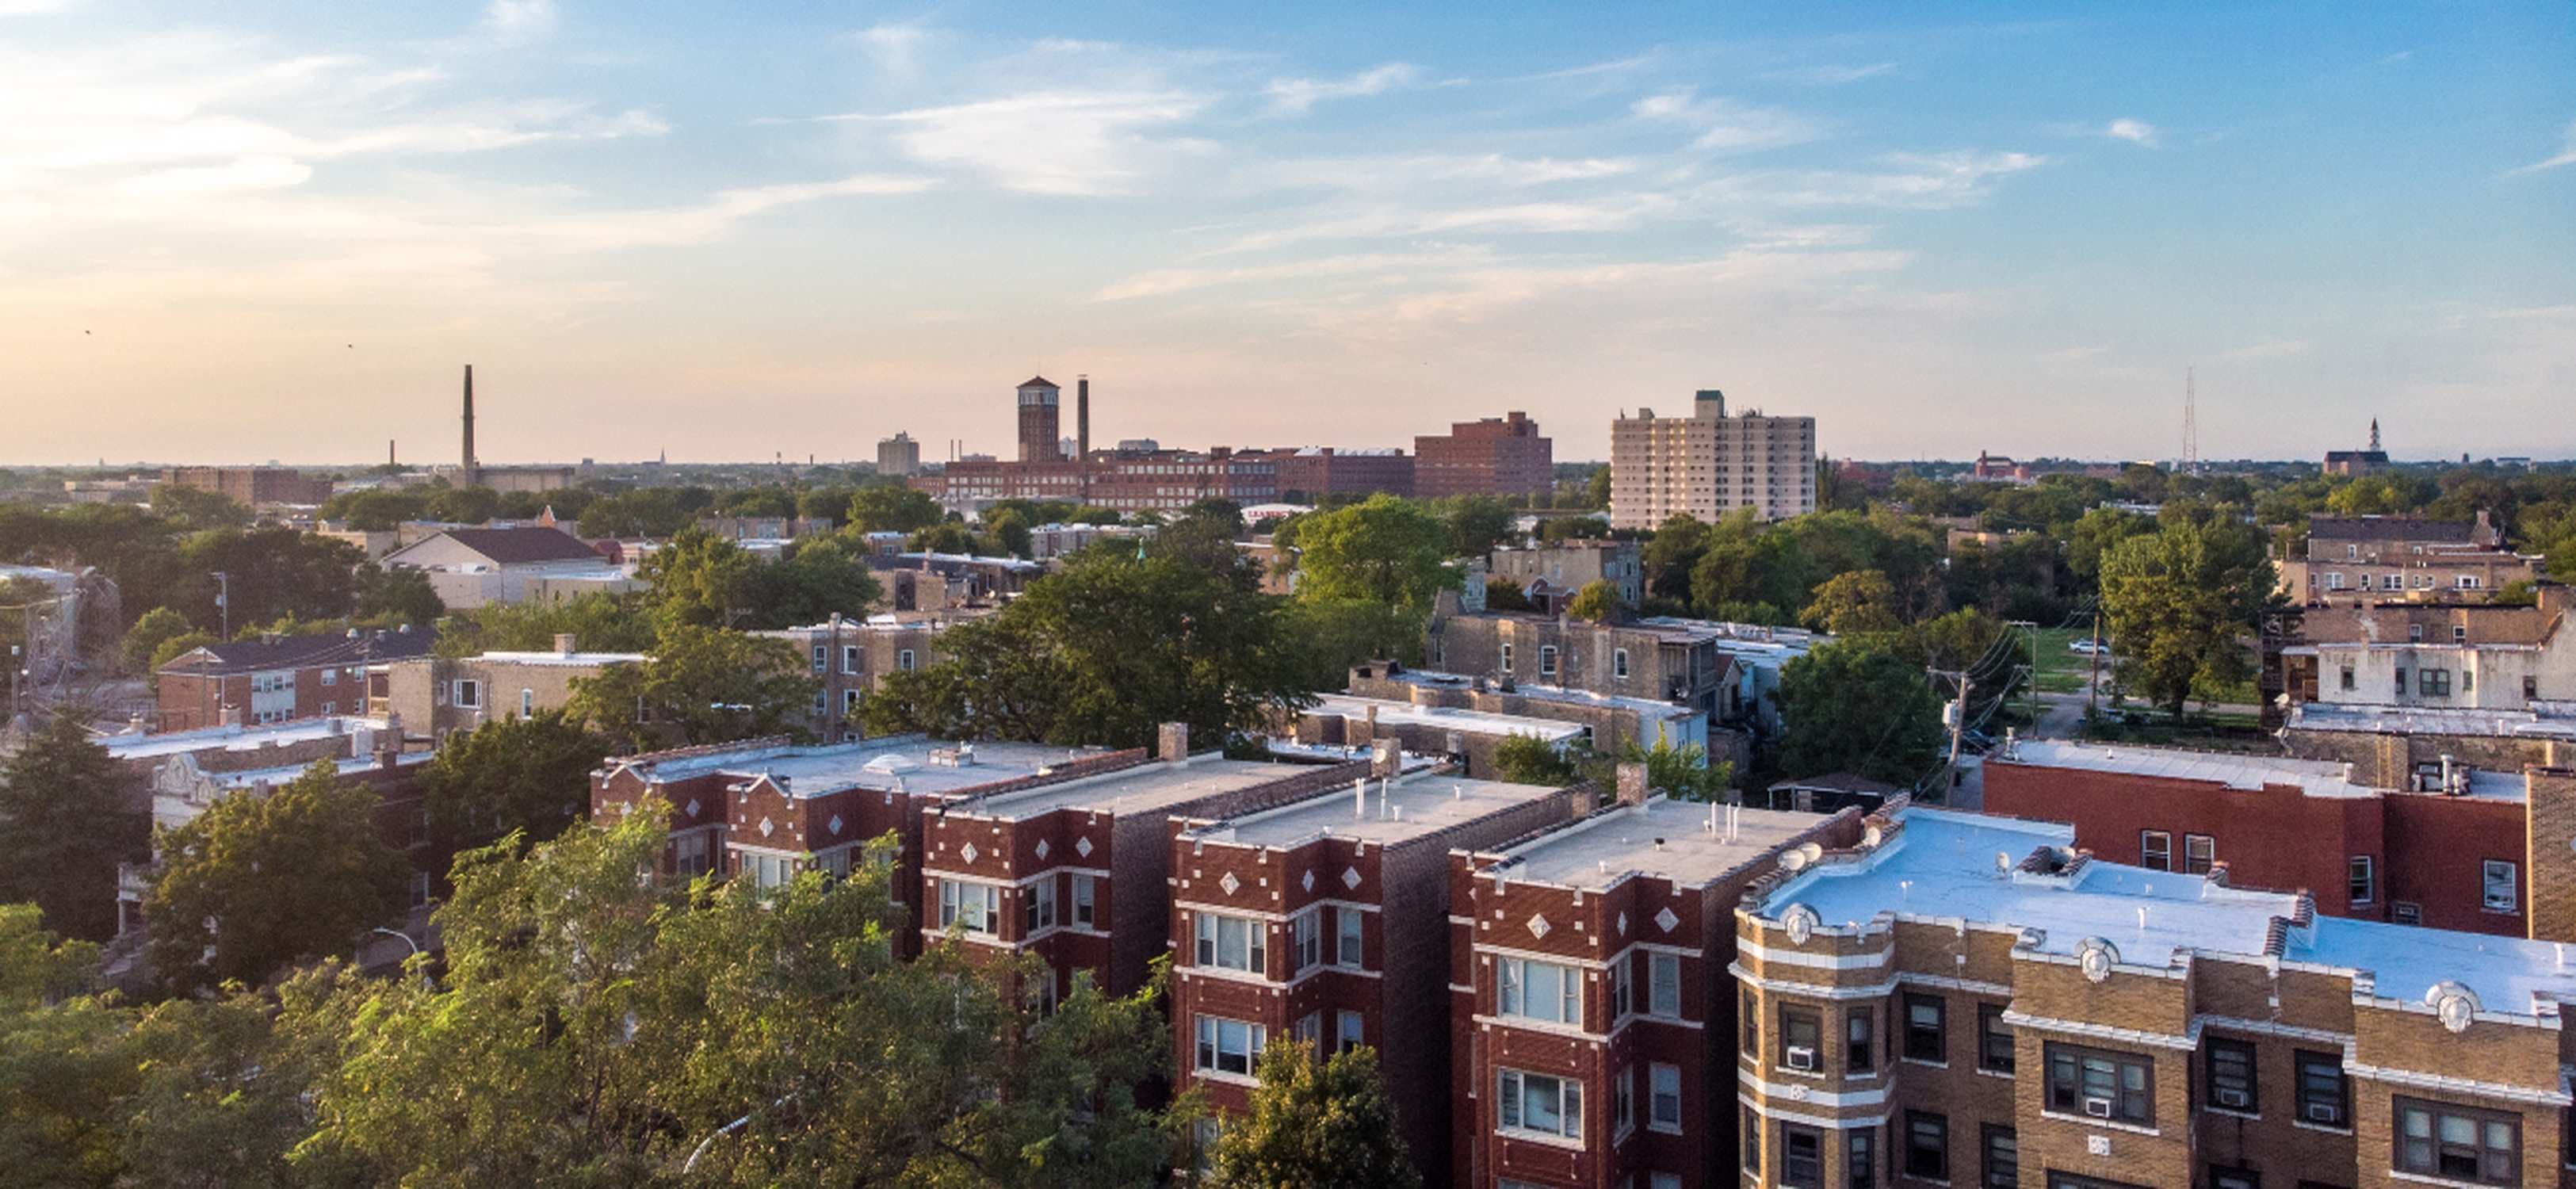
[{"x": 224, "y": 600}]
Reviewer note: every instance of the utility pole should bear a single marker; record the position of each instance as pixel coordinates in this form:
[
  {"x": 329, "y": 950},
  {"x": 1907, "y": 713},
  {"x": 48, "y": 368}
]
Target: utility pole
[
  {"x": 2093, "y": 687},
  {"x": 224, "y": 600},
  {"x": 1958, "y": 716}
]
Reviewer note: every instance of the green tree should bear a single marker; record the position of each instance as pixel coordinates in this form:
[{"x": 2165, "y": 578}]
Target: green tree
[
  {"x": 143, "y": 641},
  {"x": 1387, "y": 550},
  {"x": 2182, "y": 603},
  {"x": 464, "y": 505},
  {"x": 597, "y": 622},
  {"x": 398, "y": 596},
  {"x": 1596, "y": 488},
  {"x": 699, "y": 578},
  {"x": 1503, "y": 594},
  {"x": 815, "y": 578},
  {"x": 64, "y": 1061},
  {"x": 1476, "y": 523},
  {"x": 1314, "y": 1125},
  {"x": 1529, "y": 759},
  {"x": 1857, "y": 706},
  {"x": 198, "y": 508},
  {"x": 1331, "y": 635},
  {"x": 1598, "y": 601},
  {"x": 1852, "y": 602},
  {"x": 178, "y": 646},
  {"x": 272, "y": 572},
  {"x": 892, "y": 508},
  {"x": 1669, "y": 556},
  {"x": 2096, "y": 533},
  {"x": 68, "y": 817},
  {"x": 524, "y": 776},
  {"x": 260, "y": 882},
  {"x": 376, "y": 511},
  {"x": 1681, "y": 773},
  {"x": 704, "y": 685},
  {"x": 1103, "y": 652}
]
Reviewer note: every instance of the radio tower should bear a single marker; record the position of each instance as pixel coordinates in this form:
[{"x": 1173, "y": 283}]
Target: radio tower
[{"x": 2190, "y": 423}]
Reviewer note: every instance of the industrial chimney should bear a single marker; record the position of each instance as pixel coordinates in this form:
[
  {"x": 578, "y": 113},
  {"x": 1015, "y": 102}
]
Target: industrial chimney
[
  {"x": 1082, "y": 434},
  {"x": 469, "y": 423}
]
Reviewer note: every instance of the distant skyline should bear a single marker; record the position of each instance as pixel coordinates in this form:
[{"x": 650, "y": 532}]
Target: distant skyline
[{"x": 278, "y": 230}]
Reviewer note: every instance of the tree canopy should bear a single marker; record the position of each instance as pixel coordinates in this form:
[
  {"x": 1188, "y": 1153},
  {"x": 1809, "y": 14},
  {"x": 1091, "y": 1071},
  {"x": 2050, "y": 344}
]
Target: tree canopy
[
  {"x": 2182, "y": 603},
  {"x": 68, "y": 816},
  {"x": 1858, "y": 706},
  {"x": 526, "y": 776},
  {"x": 1386, "y": 550},
  {"x": 702, "y": 685},
  {"x": 1314, "y": 1124}
]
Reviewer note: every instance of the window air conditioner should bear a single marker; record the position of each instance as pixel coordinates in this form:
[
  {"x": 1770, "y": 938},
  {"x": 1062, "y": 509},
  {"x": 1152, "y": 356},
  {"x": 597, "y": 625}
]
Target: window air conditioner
[
  {"x": 1802, "y": 1058},
  {"x": 2234, "y": 1099},
  {"x": 2324, "y": 1112},
  {"x": 2099, "y": 1108}
]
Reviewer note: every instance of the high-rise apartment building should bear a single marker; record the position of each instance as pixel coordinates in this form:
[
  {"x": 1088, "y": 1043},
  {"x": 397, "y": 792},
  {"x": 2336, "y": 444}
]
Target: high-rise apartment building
[
  {"x": 1495, "y": 456},
  {"x": 1708, "y": 464},
  {"x": 898, "y": 455}
]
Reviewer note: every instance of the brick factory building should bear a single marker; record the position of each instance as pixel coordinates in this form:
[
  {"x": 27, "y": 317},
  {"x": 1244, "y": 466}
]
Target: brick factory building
[
  {"x": 1326, "y": 921},
  {"x": 1590, "y": 997},
  {"x": 1494, "y": 456},
  {"x": 253, "y": 487},
  {"x": 1969, "y": 1000},
  {"x": 1309, "y": 473}
]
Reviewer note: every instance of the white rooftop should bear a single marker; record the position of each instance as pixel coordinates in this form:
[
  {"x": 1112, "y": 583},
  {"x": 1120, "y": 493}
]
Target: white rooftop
[
  {"x": 906, "y": 763},
  {"x": 234, "y": 738},
  {"x": 1947, "y": 866},
  {"x": 1392, "y": 811},
  {"x": 574, "y": 659},
  {"x": 1146, "y": 788},
  {"x": 2248, "y": 773},
  {"x": 2545, "y": 721},
  {"x": 1649, "y": 707},
  {"x": 1663, "y": 837},
  {"x": 1473, "y": 722}
]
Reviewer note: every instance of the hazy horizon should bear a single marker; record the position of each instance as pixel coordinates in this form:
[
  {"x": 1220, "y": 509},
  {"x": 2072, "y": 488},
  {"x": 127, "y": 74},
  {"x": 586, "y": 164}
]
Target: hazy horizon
[{"x": 277, "y": 230}]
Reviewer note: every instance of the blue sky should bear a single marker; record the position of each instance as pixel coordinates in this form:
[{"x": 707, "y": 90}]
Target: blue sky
[{"x": 267, "y": 230}]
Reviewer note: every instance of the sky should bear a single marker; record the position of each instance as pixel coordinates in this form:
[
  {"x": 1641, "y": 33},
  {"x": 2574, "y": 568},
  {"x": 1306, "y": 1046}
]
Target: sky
[{"x": 264, "y": 230}]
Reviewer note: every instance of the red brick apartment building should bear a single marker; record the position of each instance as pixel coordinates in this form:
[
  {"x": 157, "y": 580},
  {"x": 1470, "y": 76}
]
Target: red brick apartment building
[
  {"x": 2453, "y": 856},
  {"x": 1966, "y": 1000},
  {"x": 1309, "y": 473},
  {"x": 1326, "y": 921},
  {"x": 1077, "y": 868},
  {"x": 1589, "y": 993},
  {"x": 1495, "y": 456},
  {"x": 275, "y": 679}
]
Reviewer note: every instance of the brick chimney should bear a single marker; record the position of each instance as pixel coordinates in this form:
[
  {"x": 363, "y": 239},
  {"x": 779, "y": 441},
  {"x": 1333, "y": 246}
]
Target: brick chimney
[
  {"x": 2549, "y": 859},
  {"x": 1386, "y": 758},
  {"x": 564, "y": 642},
  {"x": 1175, "y": 743},
  {"x": 1633, "y": 788}
]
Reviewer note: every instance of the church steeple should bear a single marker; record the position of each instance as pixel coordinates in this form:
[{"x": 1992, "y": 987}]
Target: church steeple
[{"x": 2374, "y": 433}]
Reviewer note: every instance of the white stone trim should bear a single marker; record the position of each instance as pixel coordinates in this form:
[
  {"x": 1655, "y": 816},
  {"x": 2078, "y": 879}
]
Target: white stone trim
[
  {"x": 1525, "y": 1024},
  {"x": 2188, "y": 1040},
  {"x": 1823, "y": 1122},
  {"x": 1748, "y": 948},
  {"x": 2451, "y": 1085},
  {"x": 1809, "y": 990},
  {"x": 1595, "y": 965},
  {"x": 1828, "y": 1098}
]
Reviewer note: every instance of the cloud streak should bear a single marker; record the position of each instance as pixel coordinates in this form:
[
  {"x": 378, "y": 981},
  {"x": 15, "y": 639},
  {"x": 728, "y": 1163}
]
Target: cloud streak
[
  {"x": 2566, "y": 156},
  {"x": 2136, "y": 132},
  {"x": 1725, "y": 125},
  {"x": 1297, "y": 96}
]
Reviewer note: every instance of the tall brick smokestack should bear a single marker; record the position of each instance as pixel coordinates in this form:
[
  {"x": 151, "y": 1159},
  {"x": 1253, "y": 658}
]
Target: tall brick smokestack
[
  {"x": 469, "y": 423},
  {"x": 1082, "y": 435}
]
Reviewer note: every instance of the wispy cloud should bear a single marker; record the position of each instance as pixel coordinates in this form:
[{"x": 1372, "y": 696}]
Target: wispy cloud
[
  {"x": 1588, "y": 70},
  {"x": 2274, "y": 349},
  {"x": 2135, "y": 131},
  {"x": 1297, "y": 96},
  {"x": 1831, "y": 75},
  {"x": 894, "y": 45},
  {"x": 1069, "y": 142},
  {"x": 1164, "y": 281},
  {"x": 1384, "y": 172},
  {"x": 1725, "y": 125},
  {"x": 1906, "y": 181},
  {"x": 2566, "y": 156},
  {"x": 518, "y": 22},
  {"x": 2395, "y": 58}
]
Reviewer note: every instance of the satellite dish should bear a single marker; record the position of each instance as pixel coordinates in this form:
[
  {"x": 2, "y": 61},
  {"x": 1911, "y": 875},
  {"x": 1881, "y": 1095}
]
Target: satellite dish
[
  {"x": 1793, "y": 860},
  {"x": 1812, "y": 851},
  {"x": 1871, "y": 836}
]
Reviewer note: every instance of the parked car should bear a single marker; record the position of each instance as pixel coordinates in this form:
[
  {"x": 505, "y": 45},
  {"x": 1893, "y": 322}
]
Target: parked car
[{"x": 2088, "y": 646}]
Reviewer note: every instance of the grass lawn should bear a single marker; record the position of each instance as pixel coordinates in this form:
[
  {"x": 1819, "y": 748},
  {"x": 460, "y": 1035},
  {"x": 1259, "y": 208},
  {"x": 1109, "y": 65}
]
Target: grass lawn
[{"x": 2062, "y": 670}]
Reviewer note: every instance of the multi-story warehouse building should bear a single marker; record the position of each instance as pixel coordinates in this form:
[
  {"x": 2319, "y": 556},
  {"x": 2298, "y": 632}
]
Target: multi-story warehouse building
[
  {"x": 1969, "y": 1000},
  {"x": 1708, "y": 465},
  {"x": 253, "y": 486},
  {"x": 1494, "y": 456},
  {"x": 1309, "y": 473},
  {"x": 1326, "y": 921},
  {"x": 1590, "y": 1000}
]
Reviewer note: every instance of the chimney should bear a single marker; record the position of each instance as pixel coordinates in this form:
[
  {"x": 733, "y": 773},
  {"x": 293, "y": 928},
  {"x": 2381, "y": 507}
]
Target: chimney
[
  {"x": 1632, "y": 784},
  {"x": 564, "y": 642},
  {"x": 469, "y": 423},
  {"x": 1082, "y": 416},
  {"x": 1175, "y": 741},
  {"x": 1386, "y": 758}
]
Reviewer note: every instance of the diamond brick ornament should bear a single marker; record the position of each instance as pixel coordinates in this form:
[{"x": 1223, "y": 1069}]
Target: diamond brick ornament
[
  {"x": 1082, "y": 846},
  {"x": 835, "y": 824},
  {"x": 1042, "y": 848},
  {"x": 1667, "y": 920},
  {"x": 766, "y": 826},
  {"x": 969, "y": 853},
  {"x": 1308, "y": 880},
  {"x": 1229, "y": 883},
  {"x": 1351, "y": 878},
  {"x": 1538, "y": 926}
]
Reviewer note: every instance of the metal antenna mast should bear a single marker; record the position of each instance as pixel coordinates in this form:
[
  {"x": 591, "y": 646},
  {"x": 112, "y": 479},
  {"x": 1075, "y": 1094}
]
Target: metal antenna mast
[{"x": 2190, "y": 423}]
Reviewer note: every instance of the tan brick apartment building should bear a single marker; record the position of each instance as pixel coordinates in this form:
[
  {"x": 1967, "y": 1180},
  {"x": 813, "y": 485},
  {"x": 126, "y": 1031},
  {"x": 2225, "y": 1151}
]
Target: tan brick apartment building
[
  {"x": 850, "y": 658},
  {"x": 2349, "y": 557},
  {"x": 1590, "y": 1001},
  {"x": 1326, "y": 921},
  {"x": 1682, "y": 665},
  {"x": 1551, "y": 574},
  {"x": 275, "y": 679},
  {"x": 1493, "y": 456},
  {"x": 2465, "y": 655},
  {"x": 438, "y": 696},
  {"x": 1965, "y": 1000},
  {"x": 1609, "y": 722},
  {"x": 1708, "y": 465}
]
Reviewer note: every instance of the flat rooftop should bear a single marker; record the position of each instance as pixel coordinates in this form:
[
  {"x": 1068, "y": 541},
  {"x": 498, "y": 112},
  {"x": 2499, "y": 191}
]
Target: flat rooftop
[
  {"x": 570, "y": 659},
  {"x": 1147, "y": 788},
  {"x": 1664, "y": 838},
  {"x": 1944, "y": 866},
  {"x": 1745, "y": 638},
  {"x": 234, "y": 738},
  {"x": 1473, "y": 722},
  {"x": 1435, "y": 679},
  {"x": 2247, "y": 773},
  {"x": 2548, "y": 720},
  {"x": 900, "y": 763},
  {"x": 1405, "y": 808}
]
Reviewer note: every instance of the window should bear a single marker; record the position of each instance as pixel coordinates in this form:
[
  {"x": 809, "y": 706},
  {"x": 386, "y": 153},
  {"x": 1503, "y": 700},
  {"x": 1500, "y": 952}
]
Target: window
[
  {"x": 850, "y": 701},
  {"x": 2414, "y": 633},
  {"x": 1749, "y": 1010},
  {"x": 1623, "y": 1102},
  {"x": 1752, "y": 1132},
  {"x": 2459, "y": 633},
  {"x": 1306, "y": 939},
  {"x": 1037, "y": 906},
  {"x": 1801, "y": 1036},
  {"x": 1086, "y": 912},
  {"x": 1614, "y": 979},
  {"x": 1349, "y": 1031},
  {"x": 1994, "y": 1039},
  {"x": 330, "y": 677},
  {"x": 2433, "y": 683},
  {"x": 1802, "y": 1157},
  {"x": 903, "y": 660},
  {"x": 1229, "y": 1046},
  {"x": 1998, "y": 1158},
  {"x": 1346, "y": 937},
  {"x": 1923, "y": 1029},
  {"x": 1619, "y": 663},
  {"x": 2155, "y": 850},
  {"x": 2500, "y": 890},
  {"x": 1664, "y": 1105},
  {"x": 2458, "y": 1142},
  {"x": 1663, "y": 1180},
  {"x": 2231, "y": 1076},
  {"x": 1860, "y": 1158},
  {"x": 2347, "y": 677},
  {"x": 1507, "y": 657},
  {"x": 1547, "y": 660},
  {"x": 1927, "y": 1146},
  {"x": 2199, "y": 854},
  {"x": 1309, "y": 1029},
  {"x": 689, "y": 855},
  {"x": 768, "y": 871},
  {"x": 849, "y": 658},
  {"x": 331, "y": 708},
  {"x": 469, "y": 694},
  {"x": 2104, "y": 1085},
  {"x": 527, "y": 702},
  {"x": 2406, "y": 913},
  {"x": 1541, "y": 991},
  {"x": 419, "y": 889},
  {"x": 2325, "y": 1095},
  {"x": 973, "y": 906},
  {"x": 2359, "y": 881},
  {"x": 821, "y": 664},
  {"x": 1230, "y": 943},
  {"x": 2530, "y": 687},
  {"x": 1664, "y": 985},
  {"x": 2401, "y": 683},
  {"x": 1857, "y": 1025},
  {"x": 2234, "y": 1178},
  {"x": 1538, "y": 1104}
]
